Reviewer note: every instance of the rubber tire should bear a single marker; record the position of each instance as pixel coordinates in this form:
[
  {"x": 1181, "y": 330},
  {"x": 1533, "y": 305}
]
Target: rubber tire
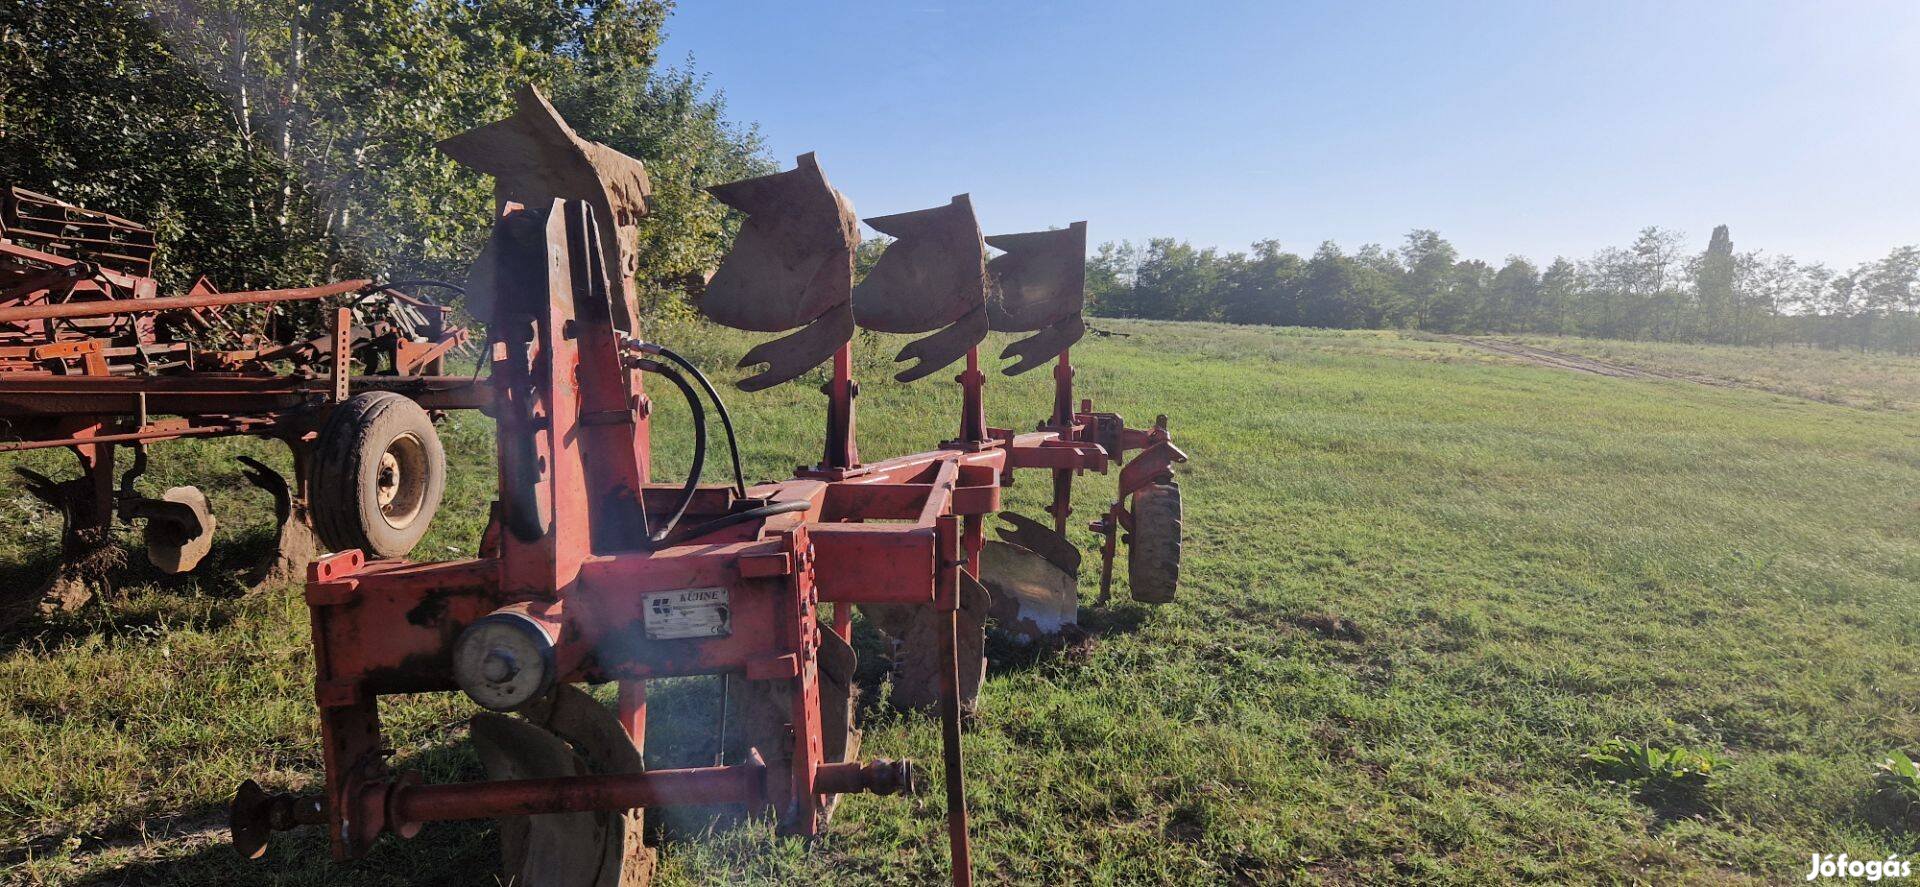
[
  {"x": 1153, "y": 551},
  {"x": 346, "y": 463}
]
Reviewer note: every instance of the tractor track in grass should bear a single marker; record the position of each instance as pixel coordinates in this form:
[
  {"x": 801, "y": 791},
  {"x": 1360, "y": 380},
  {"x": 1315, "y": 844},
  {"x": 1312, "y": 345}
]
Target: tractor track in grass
[
  {"x": 1581, "y": 364},
  {"x": 1578, "y": 363}
]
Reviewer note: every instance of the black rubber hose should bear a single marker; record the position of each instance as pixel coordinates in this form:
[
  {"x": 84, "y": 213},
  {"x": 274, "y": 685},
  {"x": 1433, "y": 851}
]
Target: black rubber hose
[
  {"x": 699, "y": 445},
  {"x": 705, "y": 528},
  {"x": 720, "y": 406}
]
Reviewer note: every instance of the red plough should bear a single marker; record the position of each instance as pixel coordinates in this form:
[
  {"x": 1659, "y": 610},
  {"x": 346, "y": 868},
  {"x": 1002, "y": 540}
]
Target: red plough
[{"x": 592, "y": 573}]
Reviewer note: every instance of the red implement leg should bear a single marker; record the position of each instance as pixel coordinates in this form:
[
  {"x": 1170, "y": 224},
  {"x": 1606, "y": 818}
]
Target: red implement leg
[
  {"x": 842, "y": 451},
  {"x": 958, "y": 843},
  {"x": 973, "y": 413},
  {"x": 633, "y": 712},
  {"x": 843, "y": 621},
  {"x": 1062, "y": 506}
]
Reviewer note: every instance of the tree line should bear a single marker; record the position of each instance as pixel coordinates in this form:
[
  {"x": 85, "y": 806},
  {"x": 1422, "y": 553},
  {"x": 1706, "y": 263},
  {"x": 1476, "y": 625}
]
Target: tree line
[{"x": 1651, "y": 289}]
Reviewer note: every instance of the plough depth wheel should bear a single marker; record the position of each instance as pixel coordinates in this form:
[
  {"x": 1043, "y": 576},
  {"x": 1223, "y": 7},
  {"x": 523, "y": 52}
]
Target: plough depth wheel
[
  {"x": 1153, "y": 555},
  {"x": 378, "y": 474}
]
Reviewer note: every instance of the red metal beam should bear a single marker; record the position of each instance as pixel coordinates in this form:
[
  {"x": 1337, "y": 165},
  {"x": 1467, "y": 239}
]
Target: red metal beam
[
  {"x": 737, "y": 784},
  {"x": 109, "y": 308}
]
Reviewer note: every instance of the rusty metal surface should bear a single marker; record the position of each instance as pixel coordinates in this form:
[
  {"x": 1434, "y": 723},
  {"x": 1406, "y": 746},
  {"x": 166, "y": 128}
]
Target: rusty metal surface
[
  {"x": 68, "y": 310},
  {"x": 536, "y": 158},
  {"x": 92, "y": 356},
  {"x": 931, "y": 277},
  {"x": 179, "y": 530},
  {"x": 1038, "y": 285},
  {"x": 1038, "y": 538},
  {"x": 568, "y": 733},
  {"x": 791, "y": 266},
  {"x": 1032, "y": 598},
  {"x": 55, "y": 226}
]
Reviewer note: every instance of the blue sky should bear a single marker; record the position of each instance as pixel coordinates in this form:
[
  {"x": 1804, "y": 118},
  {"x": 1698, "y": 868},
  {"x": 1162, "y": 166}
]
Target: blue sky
[{"x": 1538, "y": 128}]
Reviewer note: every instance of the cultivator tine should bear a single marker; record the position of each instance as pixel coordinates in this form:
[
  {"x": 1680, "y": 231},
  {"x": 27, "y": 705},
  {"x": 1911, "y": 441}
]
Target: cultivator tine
[
  {"x": 1041, "y": 540},
  {"x": 535, "y": 157},
  {"x": 294, "y": 543},
  {"x": 570, "y": 734},
  {"x": 791, "y": 266},
  {"x": 933, "y": 277},
  {"x": 1038, "y": 285},
  {"x": 179, "y": 529}
]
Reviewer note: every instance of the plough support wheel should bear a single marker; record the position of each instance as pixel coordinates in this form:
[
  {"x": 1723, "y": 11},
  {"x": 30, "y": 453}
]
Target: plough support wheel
[
  {"x": 378, "y": 474},
  {"x": 1153, "y": 555}
]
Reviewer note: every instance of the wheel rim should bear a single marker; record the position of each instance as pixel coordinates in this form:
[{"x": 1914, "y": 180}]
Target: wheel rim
[{"x": 400, "y": 481}]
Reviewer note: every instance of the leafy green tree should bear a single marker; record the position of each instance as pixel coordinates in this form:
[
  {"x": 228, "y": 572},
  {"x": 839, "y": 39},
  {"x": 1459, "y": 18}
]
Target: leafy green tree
[
  {"x": 1559, "y": 294},
  {"x": 1110, "y": 279},
  {"x": 1429, "y": 260},
  {"x": 1713, "y": 283},
  {"x": 279, "y": 142},
  {"x": 1174, "y": 281},
  {"x": 1514, "y": 299},
  {"x": 1643, "y": 290},
  {"x": 1264, "y": 287}
]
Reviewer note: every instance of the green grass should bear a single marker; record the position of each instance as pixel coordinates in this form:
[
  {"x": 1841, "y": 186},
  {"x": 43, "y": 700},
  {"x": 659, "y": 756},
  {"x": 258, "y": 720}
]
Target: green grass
[
  {"x": 1871, "y": 380},
  {"x": 1421, "y": 583}
]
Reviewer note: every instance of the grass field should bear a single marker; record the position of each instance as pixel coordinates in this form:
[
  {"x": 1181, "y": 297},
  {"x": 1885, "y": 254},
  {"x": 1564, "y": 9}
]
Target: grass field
[
  {"x": 1422, "y": 582},
  {"x": 1871, "y": 380}
]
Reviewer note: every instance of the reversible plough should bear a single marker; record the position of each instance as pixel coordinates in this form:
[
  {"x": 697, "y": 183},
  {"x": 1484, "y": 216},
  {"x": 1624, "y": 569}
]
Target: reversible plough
[{"x": 591, "y": 573}]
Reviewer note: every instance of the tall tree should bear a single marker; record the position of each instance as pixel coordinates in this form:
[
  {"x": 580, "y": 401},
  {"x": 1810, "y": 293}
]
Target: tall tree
[
  {"x": 1713, "y": 283},
  {"x": 1429, "y": 260},
  {"x": 1263, "y": 287},
  {"x": 1513, "y": 302}
]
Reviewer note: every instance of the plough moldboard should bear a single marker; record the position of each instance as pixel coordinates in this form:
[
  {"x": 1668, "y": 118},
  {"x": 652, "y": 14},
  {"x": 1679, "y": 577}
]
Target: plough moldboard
[
  {"x": 593, "y": 573},
  {"x": 93, "y": 359}
]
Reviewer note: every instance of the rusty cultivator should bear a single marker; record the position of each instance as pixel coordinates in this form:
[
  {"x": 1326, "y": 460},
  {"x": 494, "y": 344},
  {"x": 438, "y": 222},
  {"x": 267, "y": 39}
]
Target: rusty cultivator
[
  {"x": 592, "y": 573},
  {"x": 93, "y": 359}
]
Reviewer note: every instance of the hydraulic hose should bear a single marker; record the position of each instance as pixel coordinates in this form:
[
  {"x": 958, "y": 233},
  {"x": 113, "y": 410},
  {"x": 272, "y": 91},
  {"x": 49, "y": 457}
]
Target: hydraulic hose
[
  {"x": 720, "y": 406},
  {"x": 699, "y": 411},
  {"x": 705, "y": 528}
]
